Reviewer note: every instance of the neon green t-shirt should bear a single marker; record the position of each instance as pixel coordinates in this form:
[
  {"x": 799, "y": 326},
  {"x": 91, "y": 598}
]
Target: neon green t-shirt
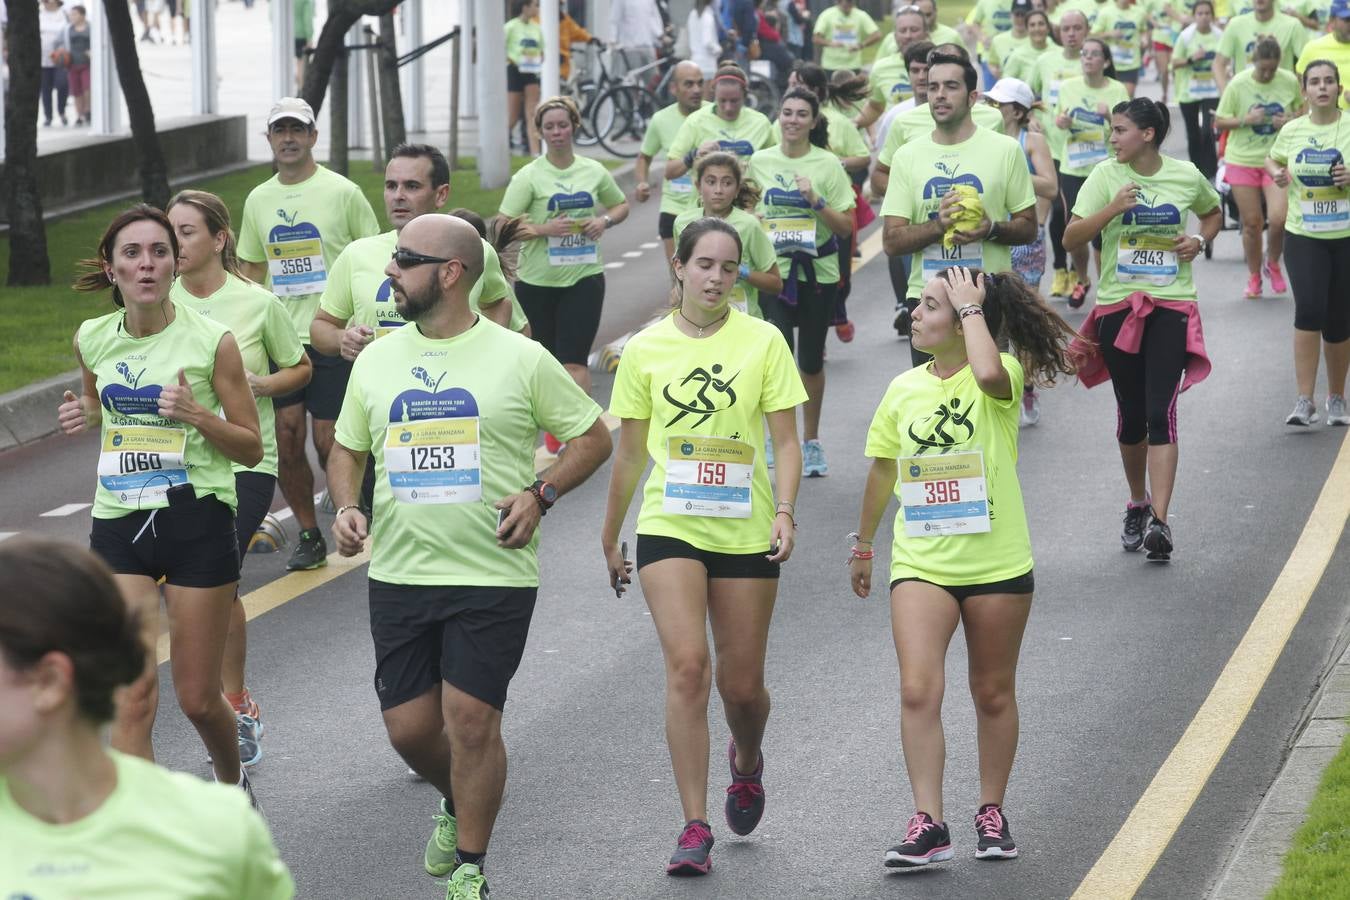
[
  {"x": 922, "y": 418},
  {"x": 792, "y": 225},
  {"x": 298, "y": 230},
  {"x": 1195, "y": 82},
  {"x": 452, "y": 425},
  {"x": 756, "y": 252},
  {"x": 160, "y": 835},
  {"x": 1004, "y": 45},
  {"x": 1163, "y": 27},
  {"x": 1022, "y": 60},
  {"x": 1250, "y": 144},
  {"x": 991, "y": 15},
  {"x": 851, "y": 29},
  {"x": 677, "y": 194},
  {"x": 142, "y": 454},
  {"x": 541, "y": 192},
  {"x": 1328, "y": 47},
  {"x": 915, "y": 123},
  {"x": 1132, "y": 22},
  {"x": 1241, "y": 33},
  {"x": 525, "y": 46},
  {"x": 1089, "y": 8},
  {"x": 358, "y": 291},
  {"x": 889, "y": 80},
  {"x": 1084, "y": 144},
  {"x": 1137, "y": 252},
  {"x": 844, "y": 138},
  {"x": 1048, "y": 75},
  {"x": 750, "y": 132},
  {"x": 922, "y": 173},
  {"x": 1317, "y": 208},
  {"x": 263, "y": 331},
  {"x": 704, "y": 400},
  {"x": 945, "y": 34}
]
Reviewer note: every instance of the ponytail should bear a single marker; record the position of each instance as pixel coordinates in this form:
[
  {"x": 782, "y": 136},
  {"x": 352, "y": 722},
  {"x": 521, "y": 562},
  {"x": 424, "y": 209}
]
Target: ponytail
[
  {"x": 217, "y": 217},
  {"x": 1040, "y": 337},
  {"x": 1146, "y": 113}
]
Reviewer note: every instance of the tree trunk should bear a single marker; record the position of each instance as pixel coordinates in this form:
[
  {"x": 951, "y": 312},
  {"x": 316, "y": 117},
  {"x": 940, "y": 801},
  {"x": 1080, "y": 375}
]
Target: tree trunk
[
  {"x": 337, "y": 118},
  {"x": 391, "y": 93},
  {"x": 342, "y": 15},
  {"x": 154, "y": 172},
  {"x": 28, "y": 261}
]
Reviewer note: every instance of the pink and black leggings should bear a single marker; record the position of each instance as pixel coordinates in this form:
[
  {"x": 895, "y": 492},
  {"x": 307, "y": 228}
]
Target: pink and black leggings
[{"x": 1146, "y": 383}]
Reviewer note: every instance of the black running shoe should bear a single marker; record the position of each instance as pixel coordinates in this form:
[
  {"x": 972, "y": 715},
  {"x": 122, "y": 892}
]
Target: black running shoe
[
  {"x": 310, "y": 551},
  {"x": 745, "y": 797},
  {"x": 995, "y": 838},
  {"x": 693, "y": 850},
  {"x": 1158, "y": 540},
  {"x": 926, "y": 842},
  {"x": 1132, "y": 534},
  {"x": 901, "y": 322}
]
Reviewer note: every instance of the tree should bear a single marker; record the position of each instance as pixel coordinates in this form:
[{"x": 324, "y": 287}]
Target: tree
[
  {"x": 342, "y": 15},
  {"x": 28, "y": 261},
  {"x": 153, "y": 170},
  {"x": 391, "y": 93}
]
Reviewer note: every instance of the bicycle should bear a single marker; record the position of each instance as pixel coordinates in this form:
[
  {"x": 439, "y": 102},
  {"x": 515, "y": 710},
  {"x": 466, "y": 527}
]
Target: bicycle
[{"x": 621, "y": 112}]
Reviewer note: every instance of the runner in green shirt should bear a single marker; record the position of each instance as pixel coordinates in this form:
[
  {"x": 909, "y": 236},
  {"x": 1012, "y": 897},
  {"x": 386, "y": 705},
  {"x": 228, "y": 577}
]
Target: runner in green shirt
[
  {"x": 937, "y": 32},
  {"x": 1022, "y": 60},
  {"x": 1197, "y": 91},
  {"x": 1308, "y": 159},
  {"x": 842, "y": 31},
  {"x": 1004, "y": 44},
  {"x": 449, "y": 406},
  {"x": 726, "y": 125},
  {"x": 889, "y": 77},
  {"x": 1334, "y": 45},
  {"x": 910, "y": 27},
  {"x": 677, "y": 194},
  {"x": 1242, "y": 33},
  {"x": 986, "y": 19},
  {"x": 524, "y": 65},
  {"x": 1123, "y": 25}
]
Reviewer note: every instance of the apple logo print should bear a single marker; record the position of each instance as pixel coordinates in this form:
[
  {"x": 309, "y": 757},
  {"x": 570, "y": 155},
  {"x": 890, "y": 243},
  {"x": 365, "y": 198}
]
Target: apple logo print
[
  {"x": 567, "y": 199},
  {"x": 130, "y": 399},
  {"x": 1318, "y": 162},
  {"x": 731, "y": 144},
  {"x": 937, "y": 187},
  {"x": 785, "y": 194},
  {"x": 1145, "y": 213},
  {"x": 1267, "y": 127},
  {"x": 386, "y": 313},
  {"x": 415, "y": 403}
]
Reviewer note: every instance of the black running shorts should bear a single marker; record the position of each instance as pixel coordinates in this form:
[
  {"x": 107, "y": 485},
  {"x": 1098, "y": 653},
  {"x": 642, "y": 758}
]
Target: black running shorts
[
  {"x": 655, "y": 547},
  {"x": 323, "y": 395},
  {"x": 192, "y": 545}
]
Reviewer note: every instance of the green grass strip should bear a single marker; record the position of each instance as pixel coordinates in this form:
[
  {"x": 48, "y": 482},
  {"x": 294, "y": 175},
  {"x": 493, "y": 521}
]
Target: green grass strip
[{"x": 1318, "y": 864}]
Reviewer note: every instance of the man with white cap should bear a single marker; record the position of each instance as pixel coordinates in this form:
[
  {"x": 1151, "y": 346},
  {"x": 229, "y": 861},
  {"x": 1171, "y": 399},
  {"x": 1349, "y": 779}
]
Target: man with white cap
[{"x": 294, "y": 226}]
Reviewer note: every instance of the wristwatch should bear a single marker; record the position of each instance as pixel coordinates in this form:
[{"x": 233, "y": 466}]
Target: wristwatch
[
  {"x": 545, "y": 494},
  {"x": 608, "y": 220},
  {"x": 1203, "y": 243},
  {"x": 992, "y": 236}
]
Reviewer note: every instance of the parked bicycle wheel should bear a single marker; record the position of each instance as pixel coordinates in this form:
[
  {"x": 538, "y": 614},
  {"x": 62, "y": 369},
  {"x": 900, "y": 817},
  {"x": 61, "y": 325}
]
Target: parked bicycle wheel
[
  {"x": 585, "y": 96},
  {"x": 763, "y": 96},
  {"x": 620, "y": 116}
]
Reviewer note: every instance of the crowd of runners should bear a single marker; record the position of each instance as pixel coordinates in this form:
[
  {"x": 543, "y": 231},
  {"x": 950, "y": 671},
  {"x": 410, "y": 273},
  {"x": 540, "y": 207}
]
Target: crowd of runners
[{"x": 426, "y": 358}]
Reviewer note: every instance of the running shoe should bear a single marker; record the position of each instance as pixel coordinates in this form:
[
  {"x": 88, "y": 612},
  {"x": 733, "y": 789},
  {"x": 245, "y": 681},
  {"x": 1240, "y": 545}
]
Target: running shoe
[
  {"x": 1253, "y": 287},
  {"x": 249, "y": 731},
  {"x": 693, "y": 850},
  {"x": 1079, "y": 294},
  {"x": 552, "y": 444},
  {"x": 249, "y": 708},
  {"x": 995, "y": 838},
  {"x": 845, "y": 331},
  {"x": 440, "y": 856},
  {"x": 1305, "y": 412},
  {"x": 1277, "y": 283},
  {"x": 1031, "y": 409},
  {"x": 1059, "y": 284},
  {"x": 901, "y": 321},
  {"x": 1336, "y": 412},
  {"x": 925, "y": 842},
  {"x": 247, "y": 787},
  {"x": 813, "y": 460},
  {"x": 310, "y": 551},
  {"x": 745, "y": 797},
  {"x": 467, "y": 883},
  {"x": 1158, "y": 540},
  {"x": 1136, "y": 517}
]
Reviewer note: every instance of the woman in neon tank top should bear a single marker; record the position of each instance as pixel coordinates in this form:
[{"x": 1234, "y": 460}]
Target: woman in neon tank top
[
  {"x": 167, "y": 389},
  {"x": 944, "y": 440}
]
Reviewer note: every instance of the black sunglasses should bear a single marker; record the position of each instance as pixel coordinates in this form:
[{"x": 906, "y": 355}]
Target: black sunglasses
[{"x": 407, "y": 259}]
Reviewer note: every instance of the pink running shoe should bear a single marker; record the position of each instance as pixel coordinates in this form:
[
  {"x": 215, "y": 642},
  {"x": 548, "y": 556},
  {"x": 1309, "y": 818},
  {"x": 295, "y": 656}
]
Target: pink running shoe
[
  {"x": 693, "y": 851},
  {"x": 1277, "y": 282},
  {"x": 1253, "y": 287}
]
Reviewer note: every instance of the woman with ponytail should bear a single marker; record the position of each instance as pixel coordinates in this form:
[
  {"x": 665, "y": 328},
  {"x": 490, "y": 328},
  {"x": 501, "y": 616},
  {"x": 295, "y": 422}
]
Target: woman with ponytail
[
  {"x": 209, "y": 281},
  {"x": 944, "y": 441},
  {"x": 1144, "y": 332},
  {"x": 80, "y": 820}
]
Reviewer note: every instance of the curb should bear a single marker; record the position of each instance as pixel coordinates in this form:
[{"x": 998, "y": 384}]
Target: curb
[
  {"x": 1256, "y": 862},
  {"x": 30, "y": 412}
]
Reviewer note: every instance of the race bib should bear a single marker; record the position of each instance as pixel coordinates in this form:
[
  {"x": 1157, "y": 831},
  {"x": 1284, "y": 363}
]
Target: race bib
[
  {"x": 792, "y": 234},
  {"x": 1087, "y": 139},
  {"x": 848, "y": 37},
  {"x": 139, "y": 463},
  {"x": 1203, "y": 85},
  {"x": 708, "y": 477},
  {"x": 682, "y": 185},
  {"x": 944, "y": 495},
  {"x": 434, "y": 460},
  {"x": 1324, "y": 209},
  {"x": 574, "y": 249},
  {"x": 295, "y": 261},
  {"x": 531, "y": 61},
  {"x": 1053, "y": 90},
  {"x": 1146, "y": 259},
  {"x": 937, "y": 257}
]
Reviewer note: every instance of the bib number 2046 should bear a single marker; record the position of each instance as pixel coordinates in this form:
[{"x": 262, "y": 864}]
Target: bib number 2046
[{"x": 432, "y": 458}]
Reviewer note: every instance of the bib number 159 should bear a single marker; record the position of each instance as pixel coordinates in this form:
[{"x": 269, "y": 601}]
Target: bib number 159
[{"x": 712, "y": 473}]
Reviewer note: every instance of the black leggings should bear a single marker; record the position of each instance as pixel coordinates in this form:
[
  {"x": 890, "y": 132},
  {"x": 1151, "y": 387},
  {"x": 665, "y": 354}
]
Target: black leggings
[
  {"x": 1146, "y": 383},
  {"x": 1319, "y": 272},
  {"x": 253, "y": 492},
  {"x": 54, "y": 79},
  {"x": 811, "y": 318},
  {"x": 1200, "y": 142},
  {"x": 564, "y": 319},
  {"x": 899, "y": 271},
  {"x": 1060, "y": 211}
]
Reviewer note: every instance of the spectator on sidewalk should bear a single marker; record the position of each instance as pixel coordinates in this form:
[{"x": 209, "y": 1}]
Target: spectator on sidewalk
[
  {"x": 52, "y": 24},
  {"x": 771, "y": 44},
  {"x": 635, "y": 31},
  {"x": 303, "y": 29},
  {"x": 77, "y": 73},
  {"x": 569, "y": 34},
  {"x": 705, "y": 38},
  {"x": 800, "y": 19}
]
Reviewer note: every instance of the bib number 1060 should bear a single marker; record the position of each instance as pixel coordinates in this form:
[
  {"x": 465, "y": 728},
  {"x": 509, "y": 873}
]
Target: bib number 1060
[
  {"x": 942, "y": 491},
  {"x": 712, "y": 473},
  {"x": 132, "y": 461}
]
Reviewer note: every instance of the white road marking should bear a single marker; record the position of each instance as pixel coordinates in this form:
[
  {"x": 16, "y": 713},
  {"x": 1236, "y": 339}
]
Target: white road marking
[
  {"x": 285, "y": 513},
  {"x": 65, "y": 510},
  {"x": 613, "y": 265},
  {"x": 6, "y": 535},
  {"x": 649, "y": 245},
  {"x": 632, "y": 254}
]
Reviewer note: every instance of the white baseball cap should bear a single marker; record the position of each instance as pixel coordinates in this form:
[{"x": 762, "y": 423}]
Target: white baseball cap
[
  {"x": 1011, "y": 90},
  {"x": 291, "y": 108}
]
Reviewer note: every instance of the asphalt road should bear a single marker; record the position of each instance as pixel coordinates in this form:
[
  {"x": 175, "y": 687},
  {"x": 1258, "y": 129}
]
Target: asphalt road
[{"x": 1118, "y": 656}]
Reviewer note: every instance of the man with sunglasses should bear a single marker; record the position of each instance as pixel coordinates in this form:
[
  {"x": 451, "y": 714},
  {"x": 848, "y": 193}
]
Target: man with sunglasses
[
  {"x": 450, "y": 406},
  {"x": 294, "y": 226}
]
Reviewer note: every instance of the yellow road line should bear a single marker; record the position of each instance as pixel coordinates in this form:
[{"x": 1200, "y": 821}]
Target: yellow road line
[{"x": 1135, "y": 849}]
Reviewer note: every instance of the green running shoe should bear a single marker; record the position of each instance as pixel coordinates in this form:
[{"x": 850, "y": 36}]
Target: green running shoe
[
  {"x": 441, "y": 846},
  {"x": 467, "y": 883}
]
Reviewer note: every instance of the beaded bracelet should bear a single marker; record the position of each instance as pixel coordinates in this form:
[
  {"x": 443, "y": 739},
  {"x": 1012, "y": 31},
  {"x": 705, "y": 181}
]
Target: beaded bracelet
[{"x": 971, "y": 310}]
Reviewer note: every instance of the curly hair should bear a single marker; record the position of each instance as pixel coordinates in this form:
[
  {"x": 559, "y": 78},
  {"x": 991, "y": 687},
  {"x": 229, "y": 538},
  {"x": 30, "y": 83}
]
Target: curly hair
[
  {"x": 1040, "y": 337},
  {"x": 747, "y": 191}
]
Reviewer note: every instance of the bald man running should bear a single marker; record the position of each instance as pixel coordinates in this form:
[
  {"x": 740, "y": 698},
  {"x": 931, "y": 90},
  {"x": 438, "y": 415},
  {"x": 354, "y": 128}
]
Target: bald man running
[
  {"x": 677, "y": 194},
  {"x": 450, "y": 406}
]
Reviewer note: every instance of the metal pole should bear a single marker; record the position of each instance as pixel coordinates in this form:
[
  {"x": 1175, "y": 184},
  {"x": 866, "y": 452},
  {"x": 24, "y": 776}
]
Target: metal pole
[
  {"x": 414, "y": 73},
  {"x": 455, "y": 43},
  {"x": 283, "y": 49},
  {"x": 468, "y": 80},
  {"x": 356, "y": 102},
  {"x": 549, "y": 80},
  {"x": 105, "y": 92},
  {"x": 372, "y": 70},
  {"x": 205, "y": 98},
  {"x": 494, "y": 152}
]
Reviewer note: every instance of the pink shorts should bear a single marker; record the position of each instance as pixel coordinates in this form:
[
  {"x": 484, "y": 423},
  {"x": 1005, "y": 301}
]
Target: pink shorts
[{"x": 1246, "y": 176}]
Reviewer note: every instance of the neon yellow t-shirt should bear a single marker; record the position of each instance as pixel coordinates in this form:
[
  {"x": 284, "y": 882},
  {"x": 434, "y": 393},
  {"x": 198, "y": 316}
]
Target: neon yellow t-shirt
[
  {"x": 1137, "y": 252},
  {"x": 756, "y": 252},
  {"x": 945, "y": 34},
  {"x": 160, "y": 835},
  {"x": 791, "y": 223},
  {"x": 1196, "y": 82},
  {"x": 705, "y": 400},
  {"x": 750, "y": 132},
  {"x": 1328, "y": 47},
  {"x": 358, "y": 291},
  {"x": 1085, "y": 143},
  {"x": 889, "y": 80},
  {"x": 298, "y": 230},
  {"x": 850, "y": 29},
  {"x": 1022, "y": 61},
  {"x": 142, "y": 454},
  {"x": 843, "y": 136},
  {"x": 1126, "y": 50},
  {"x": 991, "y": 15},
  {"x": 452, "y": 425},
  {"x": 1317, "y": 208},
  {"x": 525, "y": 45},
  {"x": 263, "y": 331},
  {"x": 924, "y": 416},
  {"x": 677, "y": 194},
  {"x": 915, "y": 123},
  {"x": 1004, "y": 45},
  {"x": 1250, "y": 144},
  {"x": 923, "y": 172},
  {"x": 1048, "y": 75},
  {"x": 541, "y": 192},
  {"x": 1241, "y": 33}
]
